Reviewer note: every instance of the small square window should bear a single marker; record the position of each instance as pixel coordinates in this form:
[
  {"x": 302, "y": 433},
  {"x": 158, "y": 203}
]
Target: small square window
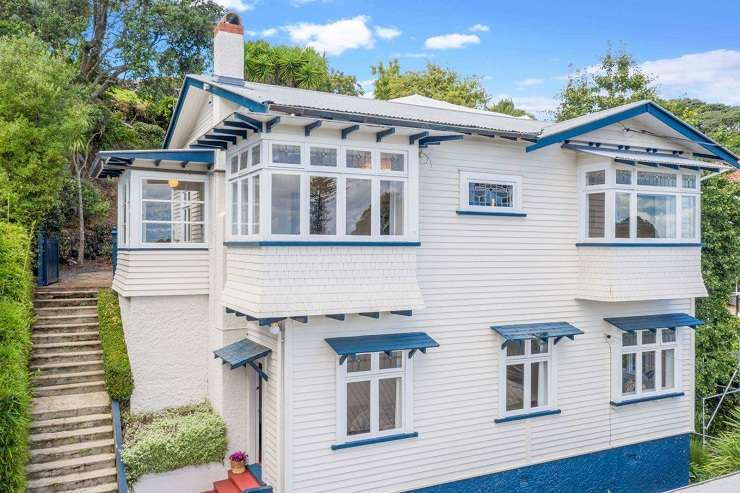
[
  {"x": 244, "y": 160},
  {"x": 655, "y": 179},
  {"x": 234, "y": 168},
  {"x": 256, "y": 157},
  {"x": 286, "y": 154},
  {"x": 596, "y": 178},
  {"x": 648, "y": 337},
  {"x": 688, "y": 181},
  {"x": 359, "y": 159},
  {"x": 485, "y": 193},
  {"x": 490, "y": 194},
  {"x": 359, "y": 363},
  {"x": 392, "y": 161},
  {"x": 323, "y": 156},
  {"x": 624, "y": 177}
]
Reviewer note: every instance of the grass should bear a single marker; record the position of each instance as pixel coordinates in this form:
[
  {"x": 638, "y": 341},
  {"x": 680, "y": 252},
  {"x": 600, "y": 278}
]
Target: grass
[
  {"x": 171, "y": 439},
  {"x": 16, "y": 285},
  {"x": 118, "y": 378}
]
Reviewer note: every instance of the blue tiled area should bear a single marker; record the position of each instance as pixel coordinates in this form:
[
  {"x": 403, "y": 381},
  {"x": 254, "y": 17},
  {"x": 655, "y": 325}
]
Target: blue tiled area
[{"x": 648, "y": 467}]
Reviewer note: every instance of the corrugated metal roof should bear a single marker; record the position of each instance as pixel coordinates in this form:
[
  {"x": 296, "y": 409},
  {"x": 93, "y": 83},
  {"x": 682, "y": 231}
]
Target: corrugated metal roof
[
  {"x": 588, "y": 118},
  {"x": 652, "y": 322},
  {"x": 317, "y": 100},
  {"x": 344, "y": 346},
  {"x": 644, "y": 157},
  {"x": 241, "y": 353},
  {"x": 542, "y": 330}
]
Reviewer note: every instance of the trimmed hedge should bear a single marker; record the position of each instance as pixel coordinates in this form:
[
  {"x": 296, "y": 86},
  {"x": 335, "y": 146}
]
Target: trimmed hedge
[
  {"x": 172, "y": 438},
  {"x": 16, "y": 288},
  {"x": 118, "y": 378}
]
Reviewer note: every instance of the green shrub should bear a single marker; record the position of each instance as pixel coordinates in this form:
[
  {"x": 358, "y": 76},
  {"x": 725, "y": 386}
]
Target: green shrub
[
  {"x": 15, "y": 347},
  {"x": 118, "y": 378},
  {"x": 724, "y": 450},
  {"x": 171, "y": 439}
]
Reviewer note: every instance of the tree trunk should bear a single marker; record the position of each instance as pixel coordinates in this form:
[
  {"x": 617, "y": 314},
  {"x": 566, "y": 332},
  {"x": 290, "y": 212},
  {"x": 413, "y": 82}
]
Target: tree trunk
[{"x": 81, "y": 214}]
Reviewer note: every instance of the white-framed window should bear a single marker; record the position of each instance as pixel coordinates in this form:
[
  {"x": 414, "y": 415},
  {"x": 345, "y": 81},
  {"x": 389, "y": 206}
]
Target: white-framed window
[
  {"x": 124, "y": 209},
  {"x": 374, "y": 396},
  {"x": 647, "y": 363},
  {"x": 623, "y": 203},
  {"x": 527, "y": 376},
  {"x": 173, "y": 210},
  {"x": 485, "y": 192}
]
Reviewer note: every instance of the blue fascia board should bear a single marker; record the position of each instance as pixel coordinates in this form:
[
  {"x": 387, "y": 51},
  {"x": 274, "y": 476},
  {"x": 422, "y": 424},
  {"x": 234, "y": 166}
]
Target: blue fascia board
[
  {"x": 491, "y": 213},
  {"x": 535, "y": 414},
  {"x": 652, "y": 109},
  {"x": 638, "y": 400},
  {"x": 268, "y": 243},
  {"x": 194, "y": 155},
  {"x": 641, "y": 245},
  {"x": 371, "y": 441}
]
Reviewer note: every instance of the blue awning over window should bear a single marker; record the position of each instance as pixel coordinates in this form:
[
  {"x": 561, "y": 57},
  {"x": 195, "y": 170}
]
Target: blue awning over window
[
  {"x": 242, "y": 353},
  {"x": 351, "y": 346},
  {"x": 544, "y": 331},
  {"x": 652, "y": 322}
]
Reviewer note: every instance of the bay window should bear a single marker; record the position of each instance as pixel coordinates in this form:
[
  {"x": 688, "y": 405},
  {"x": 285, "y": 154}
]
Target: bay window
[
  {"x": 623, "y": 203},
  {"x": 173, "y": 211},
  {"x": 648, "y": 363},
  {"x": 286, "y": 204}
]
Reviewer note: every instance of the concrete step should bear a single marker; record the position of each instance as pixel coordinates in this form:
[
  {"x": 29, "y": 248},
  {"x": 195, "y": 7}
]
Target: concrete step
[
  {"x": 50, "y": 294},
  {"x": 54, "y": 337},
  {"x": 75, "y": 318},
  {"x": 101, "y": 488},
  {"x": 73, "y": 482},
  {"x": 72, "y": 423},
  {"x": 46, "y": 379},
  {"x": 65, "y": 467},
  {"x": 69, "y": 437},
  {"x": 39, "y": 349},
  {"x": 65, "y": 406},
  {"x": 72, "y": 327},
  {"x": 51, "y": 368},
  {"x": 69, "y": 388},
  {"x": 64, "y": 302},
  {"x": 72, "y": 451},
  {"x": 66, "y": 310},
  {"x": 65, "y": 357}
]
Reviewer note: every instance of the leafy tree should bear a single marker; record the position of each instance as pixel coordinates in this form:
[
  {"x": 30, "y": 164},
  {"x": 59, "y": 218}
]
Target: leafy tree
[
  {"x": 42, "y": 111},
  {"x": 295, "y": 66},
  {"x": 433, "y": 82},
  {"x": 617, "y": 80},
  {"x": 507, "y": 107}
]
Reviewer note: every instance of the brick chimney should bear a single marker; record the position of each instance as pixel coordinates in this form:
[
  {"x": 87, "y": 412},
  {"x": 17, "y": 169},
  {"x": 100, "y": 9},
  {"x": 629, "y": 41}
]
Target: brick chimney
[{"x": 228, "y": 49}]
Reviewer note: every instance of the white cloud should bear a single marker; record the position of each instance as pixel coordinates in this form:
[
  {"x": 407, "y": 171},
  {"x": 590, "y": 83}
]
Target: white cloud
[
  {"x": 250, "y": 33},
  {"x": 368, "y": 86},
  {"x": 479, "y": 28},
  {"x": 529, "y": 82},
  {"x": 269, "y": 32},
  {"x": 237, "y": 5},
  {"x": 448, "y": 41},
  {"x": 333, "y": 38},
  {"x": 387, "y": 32},
  {"x": 712, "y": 76}
]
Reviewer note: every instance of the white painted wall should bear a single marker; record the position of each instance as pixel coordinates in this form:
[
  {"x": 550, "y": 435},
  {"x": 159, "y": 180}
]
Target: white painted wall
[
  {"x": 166, "y": 337},
  {"x": 187, "y": 479}
]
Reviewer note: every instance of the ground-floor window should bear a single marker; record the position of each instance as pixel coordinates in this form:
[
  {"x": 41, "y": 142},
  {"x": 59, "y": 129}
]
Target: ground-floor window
[
  {"x": 527, "y": 376},
  {"x": 648, "y": 362}
]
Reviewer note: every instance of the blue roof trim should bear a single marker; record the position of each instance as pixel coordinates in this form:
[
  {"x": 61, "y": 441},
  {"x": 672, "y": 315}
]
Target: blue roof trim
[
  {"x": 218, "y": 91},
  {"x": 192, "y": 156},
  {"x": 652, "y": 109},
  {"x": 349, "y": 346},
  {"x": 371, "y": 441},
  {"x": 241, "y": 353},
  {"x": 638, "y": 400},
  {"x": 653, "y": 322},
  {"x": 535, "y": 414},
  {"x": 543, "y": 331}
]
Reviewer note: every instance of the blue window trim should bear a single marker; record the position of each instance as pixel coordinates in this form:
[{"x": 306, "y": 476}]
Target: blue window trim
[
  {"x": 155, "y": 249},
  {"x": 638, "y": 245},
  {"x": 491, "y": 213},
  {"x": 535, "y": 414},
  {"x": 638, "y": 400},
  {"x": 254, "y": 244},
  {"x": 371, "y": 441}
]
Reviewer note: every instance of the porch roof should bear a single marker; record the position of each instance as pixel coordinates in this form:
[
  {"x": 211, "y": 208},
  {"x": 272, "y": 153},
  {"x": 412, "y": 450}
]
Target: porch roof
[
  {"x": 652, "y": 322},
  {"x": 631, "y": 157},
  {"x": 113, "y": 163},
  {"x": 241, "y": 353}
]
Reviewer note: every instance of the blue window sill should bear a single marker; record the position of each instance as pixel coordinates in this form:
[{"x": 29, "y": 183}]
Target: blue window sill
[
  {"x": 535, "y": 414},
  {"x": 638, "y": 245},
  {"x": 322, "y": 243},
  {"x": 638, "y": 400},
  {"x": 491, "y": 213},
  {"x": 371, "y": 441}
]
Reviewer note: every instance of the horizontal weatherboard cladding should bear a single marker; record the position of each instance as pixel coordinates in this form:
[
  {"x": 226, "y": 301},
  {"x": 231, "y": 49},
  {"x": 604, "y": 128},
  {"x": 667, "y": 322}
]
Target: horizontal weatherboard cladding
[{"x": 654, "y": 466}]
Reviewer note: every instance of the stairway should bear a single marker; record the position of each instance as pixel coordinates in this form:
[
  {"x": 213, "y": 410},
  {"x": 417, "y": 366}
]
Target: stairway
[
  {"x": 71, "y": 442},
  {"x": 239, "y": 483}
]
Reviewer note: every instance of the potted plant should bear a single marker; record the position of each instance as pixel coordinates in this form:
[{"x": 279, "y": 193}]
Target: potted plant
[{"x": 238, "y": 461}]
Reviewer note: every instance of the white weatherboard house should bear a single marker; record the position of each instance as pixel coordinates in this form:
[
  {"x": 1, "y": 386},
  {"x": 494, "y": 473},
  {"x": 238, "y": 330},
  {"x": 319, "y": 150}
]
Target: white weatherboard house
[{"x": 385, "y": 296}]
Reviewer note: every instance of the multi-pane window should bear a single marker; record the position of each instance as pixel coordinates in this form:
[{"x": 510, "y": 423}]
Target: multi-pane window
[
  {"x": 648, "y": 362},
  {"x": 173, "y": 211},
  {"x": 482, "y": 192},
  {"x": 286, "y": 204},
  {"x": 527, "y": 369},
  {"x": 358, "y": 213},
  {"x": 642, "y": 204},
  {"x": 286, "y": 153},
  {"x": 373, "y": 385},
  {"x": 323, "y": 156},
  {"x": 323, "y": 202}
]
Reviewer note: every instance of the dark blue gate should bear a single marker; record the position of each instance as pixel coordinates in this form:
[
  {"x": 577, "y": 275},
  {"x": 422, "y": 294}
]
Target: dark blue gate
[{"x": 47, "y": 268}]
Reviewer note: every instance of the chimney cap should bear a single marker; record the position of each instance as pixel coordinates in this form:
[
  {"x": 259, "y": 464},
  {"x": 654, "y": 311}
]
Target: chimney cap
[{"x": 232, "y": 18}]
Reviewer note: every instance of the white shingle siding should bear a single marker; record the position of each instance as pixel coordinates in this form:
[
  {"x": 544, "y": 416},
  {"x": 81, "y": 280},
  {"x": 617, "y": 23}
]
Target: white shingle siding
[
  {"x": 475, "y": 271},
  {"x": 294, "y": 281},
  {"x": 610, "y": 274},
  {"x": 161, "y": 272}
]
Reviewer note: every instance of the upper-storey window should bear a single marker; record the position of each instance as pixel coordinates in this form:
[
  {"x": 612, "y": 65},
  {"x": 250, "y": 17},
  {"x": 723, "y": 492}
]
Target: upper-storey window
[
  {"x": 648, "y": 363},
  {"x": 623, "y": 203},
  {"x": 173, "y": 211},
  {"x": 320, "y": 191},
  {"x": 484, "y": 192}
]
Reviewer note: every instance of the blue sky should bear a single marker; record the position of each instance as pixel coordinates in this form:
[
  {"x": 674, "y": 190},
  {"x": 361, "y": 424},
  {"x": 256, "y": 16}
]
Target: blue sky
[{"x": 521, "y": 50}]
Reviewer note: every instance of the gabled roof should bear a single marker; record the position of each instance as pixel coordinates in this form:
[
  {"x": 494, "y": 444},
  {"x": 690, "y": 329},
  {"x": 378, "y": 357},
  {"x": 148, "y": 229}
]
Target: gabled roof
[{"x": 419, "y": 100}]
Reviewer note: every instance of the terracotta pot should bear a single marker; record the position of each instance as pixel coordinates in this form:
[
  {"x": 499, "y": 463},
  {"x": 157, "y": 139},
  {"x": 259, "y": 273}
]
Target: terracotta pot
[{"x": 237, "y": 467}]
